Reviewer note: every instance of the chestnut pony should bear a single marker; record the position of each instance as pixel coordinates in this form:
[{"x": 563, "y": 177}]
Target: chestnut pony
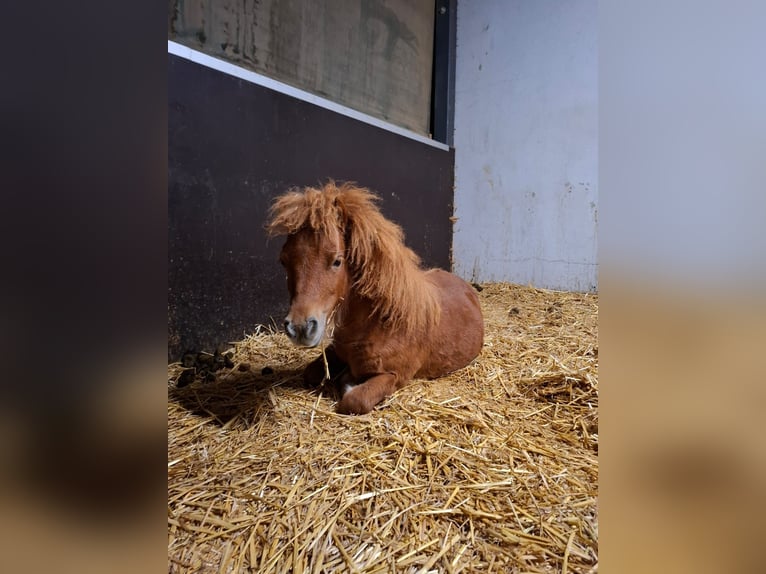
[{"x": 353, "y": 281}]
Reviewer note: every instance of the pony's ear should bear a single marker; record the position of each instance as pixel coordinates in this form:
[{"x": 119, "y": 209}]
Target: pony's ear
[{"x": 285, "y": 212}]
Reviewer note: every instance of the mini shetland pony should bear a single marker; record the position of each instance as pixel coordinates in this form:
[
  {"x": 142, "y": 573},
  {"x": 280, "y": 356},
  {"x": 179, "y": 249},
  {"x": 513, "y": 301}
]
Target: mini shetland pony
[{"x": 352, "y": 279}]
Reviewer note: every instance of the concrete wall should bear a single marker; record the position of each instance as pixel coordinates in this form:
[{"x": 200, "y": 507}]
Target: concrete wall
[{"x": 526, "y": 153}]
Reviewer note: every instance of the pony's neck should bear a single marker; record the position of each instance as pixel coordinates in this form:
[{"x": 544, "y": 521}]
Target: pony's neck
[
  {"x": 391, "y": 291},
  {"x": 353, "y": 313},
  {"x": 359, "y": 314}
]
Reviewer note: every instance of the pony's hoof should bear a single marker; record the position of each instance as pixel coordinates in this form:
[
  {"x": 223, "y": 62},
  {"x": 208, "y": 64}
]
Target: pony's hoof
[
  {"x": 354, "y": 404},
  {"x": 313, "y": 375}
]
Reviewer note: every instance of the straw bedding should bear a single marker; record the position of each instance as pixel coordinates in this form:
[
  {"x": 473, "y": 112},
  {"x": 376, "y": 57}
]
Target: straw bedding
[{"x": 491, "y": 469}]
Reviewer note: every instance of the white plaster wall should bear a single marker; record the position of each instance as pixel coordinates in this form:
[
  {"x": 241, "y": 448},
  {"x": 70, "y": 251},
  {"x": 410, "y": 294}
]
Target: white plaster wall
[{"x": 526, "y": 147}]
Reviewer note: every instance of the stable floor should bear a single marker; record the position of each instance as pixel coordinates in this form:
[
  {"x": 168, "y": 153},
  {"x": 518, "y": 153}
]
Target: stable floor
[{"x": 491, "y": 469}]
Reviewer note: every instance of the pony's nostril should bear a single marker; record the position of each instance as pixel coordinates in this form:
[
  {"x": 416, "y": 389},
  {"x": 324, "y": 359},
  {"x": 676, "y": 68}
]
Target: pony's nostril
[
  {"x": 289, "y": 328},
  {"x": 311, "y": 326}
]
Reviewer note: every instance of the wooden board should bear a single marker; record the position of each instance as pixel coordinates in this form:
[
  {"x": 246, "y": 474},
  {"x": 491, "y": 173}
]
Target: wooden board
[{"x": 373, "y": 56}]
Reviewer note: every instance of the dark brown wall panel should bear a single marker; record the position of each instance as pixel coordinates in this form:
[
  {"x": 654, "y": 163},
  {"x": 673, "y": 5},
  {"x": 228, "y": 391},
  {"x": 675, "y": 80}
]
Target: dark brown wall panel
[{"x": 232, "y": 147}]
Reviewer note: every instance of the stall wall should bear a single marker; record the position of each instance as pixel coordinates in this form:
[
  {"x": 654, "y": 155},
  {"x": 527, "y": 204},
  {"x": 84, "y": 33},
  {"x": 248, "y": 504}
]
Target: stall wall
[{"x": 526, "y": 155}]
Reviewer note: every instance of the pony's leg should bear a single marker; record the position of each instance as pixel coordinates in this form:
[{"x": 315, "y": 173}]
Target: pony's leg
[
  {"x": 362, "y": 398},
  {"x": 314, "y": 373}
]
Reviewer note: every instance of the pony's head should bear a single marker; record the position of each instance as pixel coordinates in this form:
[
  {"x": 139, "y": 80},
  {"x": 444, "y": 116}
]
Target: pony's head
[
  {"x": 317, "y": 279},
  {"x": 337, "y": 240}
]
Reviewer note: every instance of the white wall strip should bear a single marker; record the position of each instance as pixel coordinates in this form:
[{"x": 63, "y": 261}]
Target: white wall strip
[{"x": 233, "y": 70}]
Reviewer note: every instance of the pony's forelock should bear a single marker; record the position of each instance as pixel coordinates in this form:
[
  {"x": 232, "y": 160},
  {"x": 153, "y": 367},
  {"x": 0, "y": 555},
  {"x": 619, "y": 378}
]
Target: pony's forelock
[{"x": 296, "y": 209}]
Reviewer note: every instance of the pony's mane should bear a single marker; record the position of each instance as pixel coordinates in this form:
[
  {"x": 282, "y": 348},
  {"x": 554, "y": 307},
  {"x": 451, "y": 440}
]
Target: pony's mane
[{"x": 383, "y": 268}]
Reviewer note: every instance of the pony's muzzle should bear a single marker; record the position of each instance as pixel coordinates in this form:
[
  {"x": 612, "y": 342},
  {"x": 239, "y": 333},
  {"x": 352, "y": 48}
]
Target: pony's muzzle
[{"x": 306, "y": 334}]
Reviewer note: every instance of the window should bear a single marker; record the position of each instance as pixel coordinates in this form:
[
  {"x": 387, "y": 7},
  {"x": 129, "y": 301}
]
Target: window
[{"x": 375, "y": 56}]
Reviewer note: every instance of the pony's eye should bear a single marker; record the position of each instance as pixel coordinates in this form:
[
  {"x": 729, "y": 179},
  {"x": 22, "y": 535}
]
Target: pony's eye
[{"x": 337, "y": 262}]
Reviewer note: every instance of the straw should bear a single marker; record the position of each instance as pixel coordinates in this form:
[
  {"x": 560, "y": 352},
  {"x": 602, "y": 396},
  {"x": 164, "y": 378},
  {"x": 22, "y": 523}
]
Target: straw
[{"x": 492, "y": 468}]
